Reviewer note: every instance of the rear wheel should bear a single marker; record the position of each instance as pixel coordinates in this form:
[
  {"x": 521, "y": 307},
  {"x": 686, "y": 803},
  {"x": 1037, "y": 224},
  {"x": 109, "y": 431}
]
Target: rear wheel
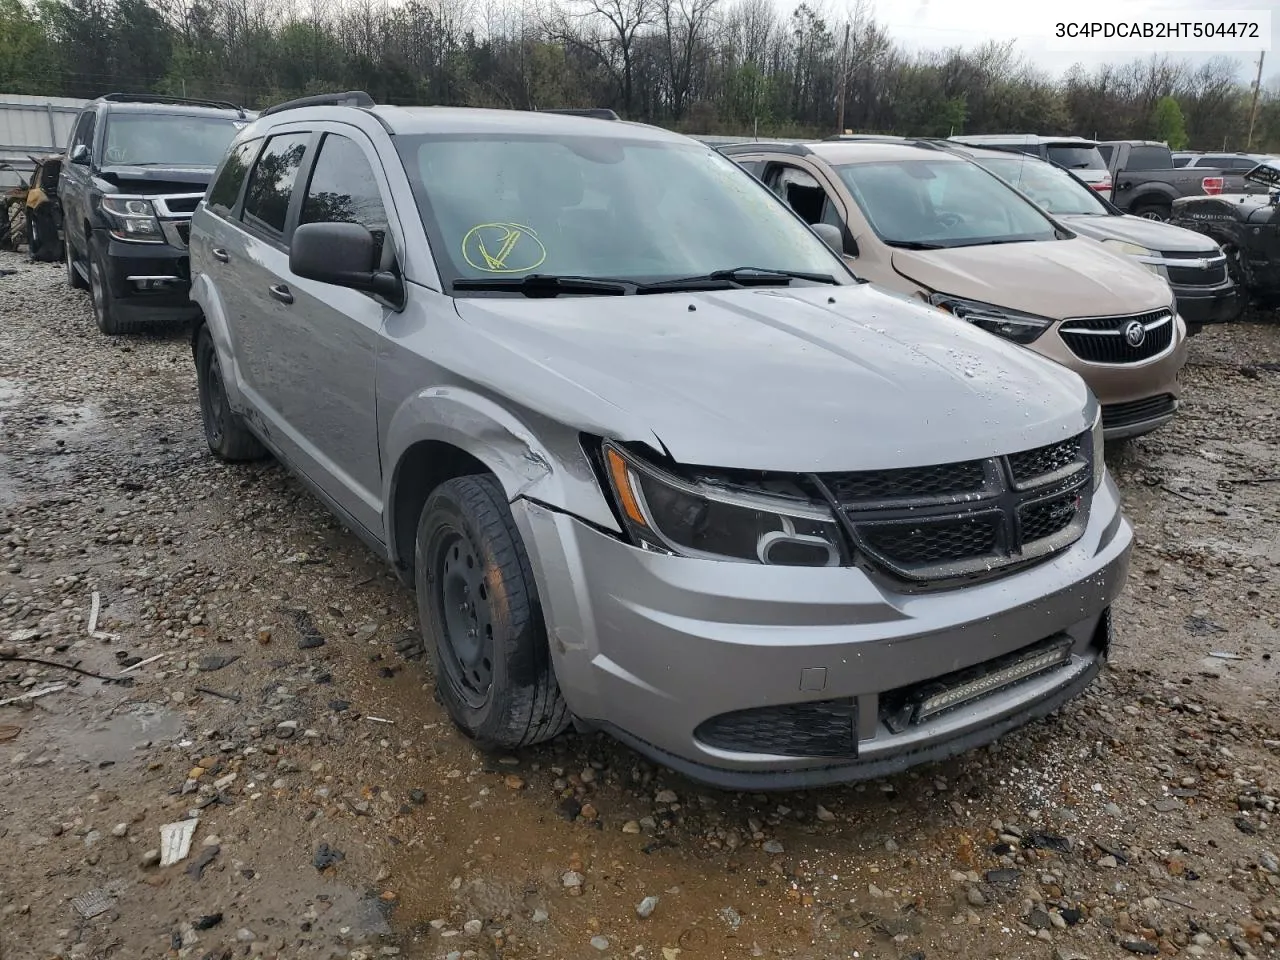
[
  {"x": 481, "y": 619},
  {"x": 224, "y": 429}
]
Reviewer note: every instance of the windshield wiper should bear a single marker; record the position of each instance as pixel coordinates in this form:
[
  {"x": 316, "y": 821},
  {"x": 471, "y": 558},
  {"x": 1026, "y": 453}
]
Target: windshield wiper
[
  {"x": 543, "y": 285},
  {"x": 740, "y": 276},
  {"x": 916, "y": 245}
]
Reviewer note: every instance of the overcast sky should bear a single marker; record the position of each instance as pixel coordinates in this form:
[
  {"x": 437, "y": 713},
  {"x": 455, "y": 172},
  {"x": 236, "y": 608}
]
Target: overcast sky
[{"x": 933, "y": 24}]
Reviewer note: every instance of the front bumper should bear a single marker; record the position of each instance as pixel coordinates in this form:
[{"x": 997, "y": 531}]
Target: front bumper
[
  {"x": 148, "y": 277},
  {"x": 1137, "y": 397},
  {"x": 1199, "y": 306},
  {"x": 652, "y": 647}
]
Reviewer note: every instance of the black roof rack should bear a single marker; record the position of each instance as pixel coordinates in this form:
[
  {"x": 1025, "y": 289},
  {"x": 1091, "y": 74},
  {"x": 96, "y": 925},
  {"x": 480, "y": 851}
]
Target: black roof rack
[
  {"x": 351, "y": 98},
  {"x": 600, "y": 113},
  {"x": 180, "y": 101}
]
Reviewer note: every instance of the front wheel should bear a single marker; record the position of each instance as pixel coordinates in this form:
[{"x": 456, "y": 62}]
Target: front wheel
[{"x": 481, "y": 619}]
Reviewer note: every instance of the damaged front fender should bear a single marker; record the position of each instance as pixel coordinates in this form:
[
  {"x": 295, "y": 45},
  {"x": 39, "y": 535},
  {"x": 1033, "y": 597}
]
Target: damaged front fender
[{"x": 548, "y": 465}]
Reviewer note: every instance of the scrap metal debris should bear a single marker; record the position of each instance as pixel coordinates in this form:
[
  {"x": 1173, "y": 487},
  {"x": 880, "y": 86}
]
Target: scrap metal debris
[
  {"x": 175, "y": 841},
  {"x": 33, "y": 694},
  {"x": 95, "y": 607},
  {"x": 93, "y": 903},
  {"x": 195, "y": 870}
]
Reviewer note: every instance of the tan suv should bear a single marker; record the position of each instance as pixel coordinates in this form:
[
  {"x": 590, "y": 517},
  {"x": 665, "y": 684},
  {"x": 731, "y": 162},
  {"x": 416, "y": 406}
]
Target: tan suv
[{"x": 920, "y": 219}]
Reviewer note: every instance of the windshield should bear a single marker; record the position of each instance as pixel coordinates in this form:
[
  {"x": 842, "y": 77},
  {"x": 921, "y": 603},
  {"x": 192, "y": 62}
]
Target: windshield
[
  {"x": 168, "y": 140},
  {"x": 1049, "y": 187},
  {"x": 510, "y": 207},
  {"x": 942, "y": 202},
  {"x": 1076, "y": 158}
]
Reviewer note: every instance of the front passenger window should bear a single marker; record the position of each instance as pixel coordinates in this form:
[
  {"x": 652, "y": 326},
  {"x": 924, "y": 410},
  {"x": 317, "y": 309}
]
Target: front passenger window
[
  {"x": 343, "y": 189},
  {"x": 266, "y": 201}
]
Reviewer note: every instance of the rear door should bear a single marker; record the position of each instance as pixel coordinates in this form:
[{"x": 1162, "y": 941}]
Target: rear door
[
  {"x": 256, "y": 258},
  {"x": 323, "y": 339}
]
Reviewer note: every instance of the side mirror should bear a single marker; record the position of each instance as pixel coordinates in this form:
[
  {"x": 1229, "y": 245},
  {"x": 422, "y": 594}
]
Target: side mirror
[
  {"x": 832, "y": 236},
  {"x": 80, "y": 154},
  {"x": 341, "y": 254}
]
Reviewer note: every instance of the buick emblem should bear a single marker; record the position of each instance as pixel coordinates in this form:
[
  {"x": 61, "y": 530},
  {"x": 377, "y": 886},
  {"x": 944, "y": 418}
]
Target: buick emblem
[{"x": 1134, "y": 333}]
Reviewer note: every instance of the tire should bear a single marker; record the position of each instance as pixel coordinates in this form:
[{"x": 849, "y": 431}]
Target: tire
[
  {"x": 481, "y": 619},
  {"x": 105, "y": 311},
  {"x": 1153, "y": 211},
  {"x": 42, "y": 231},
  {"x": 225, "y": 431},
  {"x": 74, "y": 280}
]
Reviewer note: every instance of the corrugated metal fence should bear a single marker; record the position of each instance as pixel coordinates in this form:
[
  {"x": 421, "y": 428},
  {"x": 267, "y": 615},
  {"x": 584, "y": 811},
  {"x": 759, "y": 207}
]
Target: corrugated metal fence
[{"x": 33, "y": 126}]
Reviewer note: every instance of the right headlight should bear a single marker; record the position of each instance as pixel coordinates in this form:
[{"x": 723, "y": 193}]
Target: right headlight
[
  {"x": 668, "y": 514},
  {"x": 1099, "y": 460},
  {"x": 1137, "y": 252},
  {"x": 1011, "y": 324},
  {"x": 132, "y": 218}
]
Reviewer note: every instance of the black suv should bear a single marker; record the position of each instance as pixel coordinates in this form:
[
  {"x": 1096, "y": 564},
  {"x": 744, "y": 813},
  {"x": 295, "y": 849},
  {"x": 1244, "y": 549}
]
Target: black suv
[{"x": 136, "y": 168}]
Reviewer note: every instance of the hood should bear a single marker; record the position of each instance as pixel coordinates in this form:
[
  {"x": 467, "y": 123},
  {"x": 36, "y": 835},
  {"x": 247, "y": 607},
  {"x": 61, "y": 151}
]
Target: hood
[
  {"x": 1152, "y": 234},
  {"x": 1051, "y": 278},
  {"x": 1265, "y": 175},
  {"x": 158, "y": 179},
  {"x": 830, "y": 378}
]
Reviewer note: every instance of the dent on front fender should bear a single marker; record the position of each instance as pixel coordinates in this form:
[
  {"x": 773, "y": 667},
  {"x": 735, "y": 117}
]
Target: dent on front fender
[{"x": 545, "y": 462}]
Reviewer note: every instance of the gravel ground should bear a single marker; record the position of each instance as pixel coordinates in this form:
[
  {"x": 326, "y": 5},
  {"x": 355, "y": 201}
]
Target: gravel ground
[{"x": 341, "y": 816}]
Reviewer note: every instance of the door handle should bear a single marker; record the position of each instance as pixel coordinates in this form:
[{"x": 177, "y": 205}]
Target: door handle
[
  {"x": 220, "y": 255},
  {"x": 280, "y": 292}
]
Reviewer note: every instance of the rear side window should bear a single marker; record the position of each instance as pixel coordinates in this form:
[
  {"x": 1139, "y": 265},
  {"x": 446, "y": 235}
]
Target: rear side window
[
  {"x": 1149, "y": 158},
  {"x": 1105, "y": 152},
  {"x": 1077, "y": 158},
  {"x": 343, "y": 189},
  {"x": 266, "y": 201},
  {"x": 226, "y": 189}
]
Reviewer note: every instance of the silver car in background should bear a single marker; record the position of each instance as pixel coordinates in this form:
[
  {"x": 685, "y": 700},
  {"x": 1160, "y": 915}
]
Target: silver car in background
[{"x": 652, "y": 459}]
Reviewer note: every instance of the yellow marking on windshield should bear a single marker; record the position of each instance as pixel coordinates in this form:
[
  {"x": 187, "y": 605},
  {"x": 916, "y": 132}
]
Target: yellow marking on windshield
[{"x": 503, "y": 248}]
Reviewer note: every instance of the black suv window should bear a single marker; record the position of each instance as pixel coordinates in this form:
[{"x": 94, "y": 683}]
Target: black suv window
[
  {"x": 266, "y": 203},
  {"x": 226, "y": 189},
  {"x": 83, "y": 133},
  {"x": 344, "y": 189}
]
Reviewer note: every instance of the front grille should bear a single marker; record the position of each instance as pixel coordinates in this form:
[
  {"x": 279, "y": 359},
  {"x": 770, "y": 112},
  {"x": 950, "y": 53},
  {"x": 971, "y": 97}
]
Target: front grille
[
  {"x": 1050, "y": 516},
  {"x": 973, "y": 519},
  {"x": 1044, "y": 461},
  {"x": 946, "y": 480},
  {"x": 915, "y": 545},
  {"x": 1209, "y": 276},
  {"x": 1137, "y": 411},
  {"x": 824, "y": 728},
  {"x": 183, "y": 204},
  {"x": 1108, "y": 339}
]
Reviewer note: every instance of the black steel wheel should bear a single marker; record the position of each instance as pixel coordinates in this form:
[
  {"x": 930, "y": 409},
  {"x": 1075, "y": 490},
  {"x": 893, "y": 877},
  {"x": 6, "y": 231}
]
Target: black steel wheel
[
  {"x": 481, "y": 619},
  {"x": 224, "y": 430}
]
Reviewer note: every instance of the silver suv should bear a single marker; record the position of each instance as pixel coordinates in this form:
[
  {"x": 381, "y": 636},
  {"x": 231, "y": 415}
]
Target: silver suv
[{"x": 652, "y": 458}]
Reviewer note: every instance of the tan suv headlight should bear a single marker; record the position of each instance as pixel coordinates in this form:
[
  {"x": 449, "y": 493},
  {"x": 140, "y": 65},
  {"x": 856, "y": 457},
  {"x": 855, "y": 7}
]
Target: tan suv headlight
[
  {"x": 696, "y": 519},
  {"x": 1011, "y": 324}
]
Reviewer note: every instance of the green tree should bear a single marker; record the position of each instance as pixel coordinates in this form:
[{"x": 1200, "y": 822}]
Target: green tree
[{"x": 1168, "y": 123}]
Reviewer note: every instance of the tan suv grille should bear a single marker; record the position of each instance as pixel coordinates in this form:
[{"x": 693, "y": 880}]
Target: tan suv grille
[{"x": 1119, "y": 339}]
